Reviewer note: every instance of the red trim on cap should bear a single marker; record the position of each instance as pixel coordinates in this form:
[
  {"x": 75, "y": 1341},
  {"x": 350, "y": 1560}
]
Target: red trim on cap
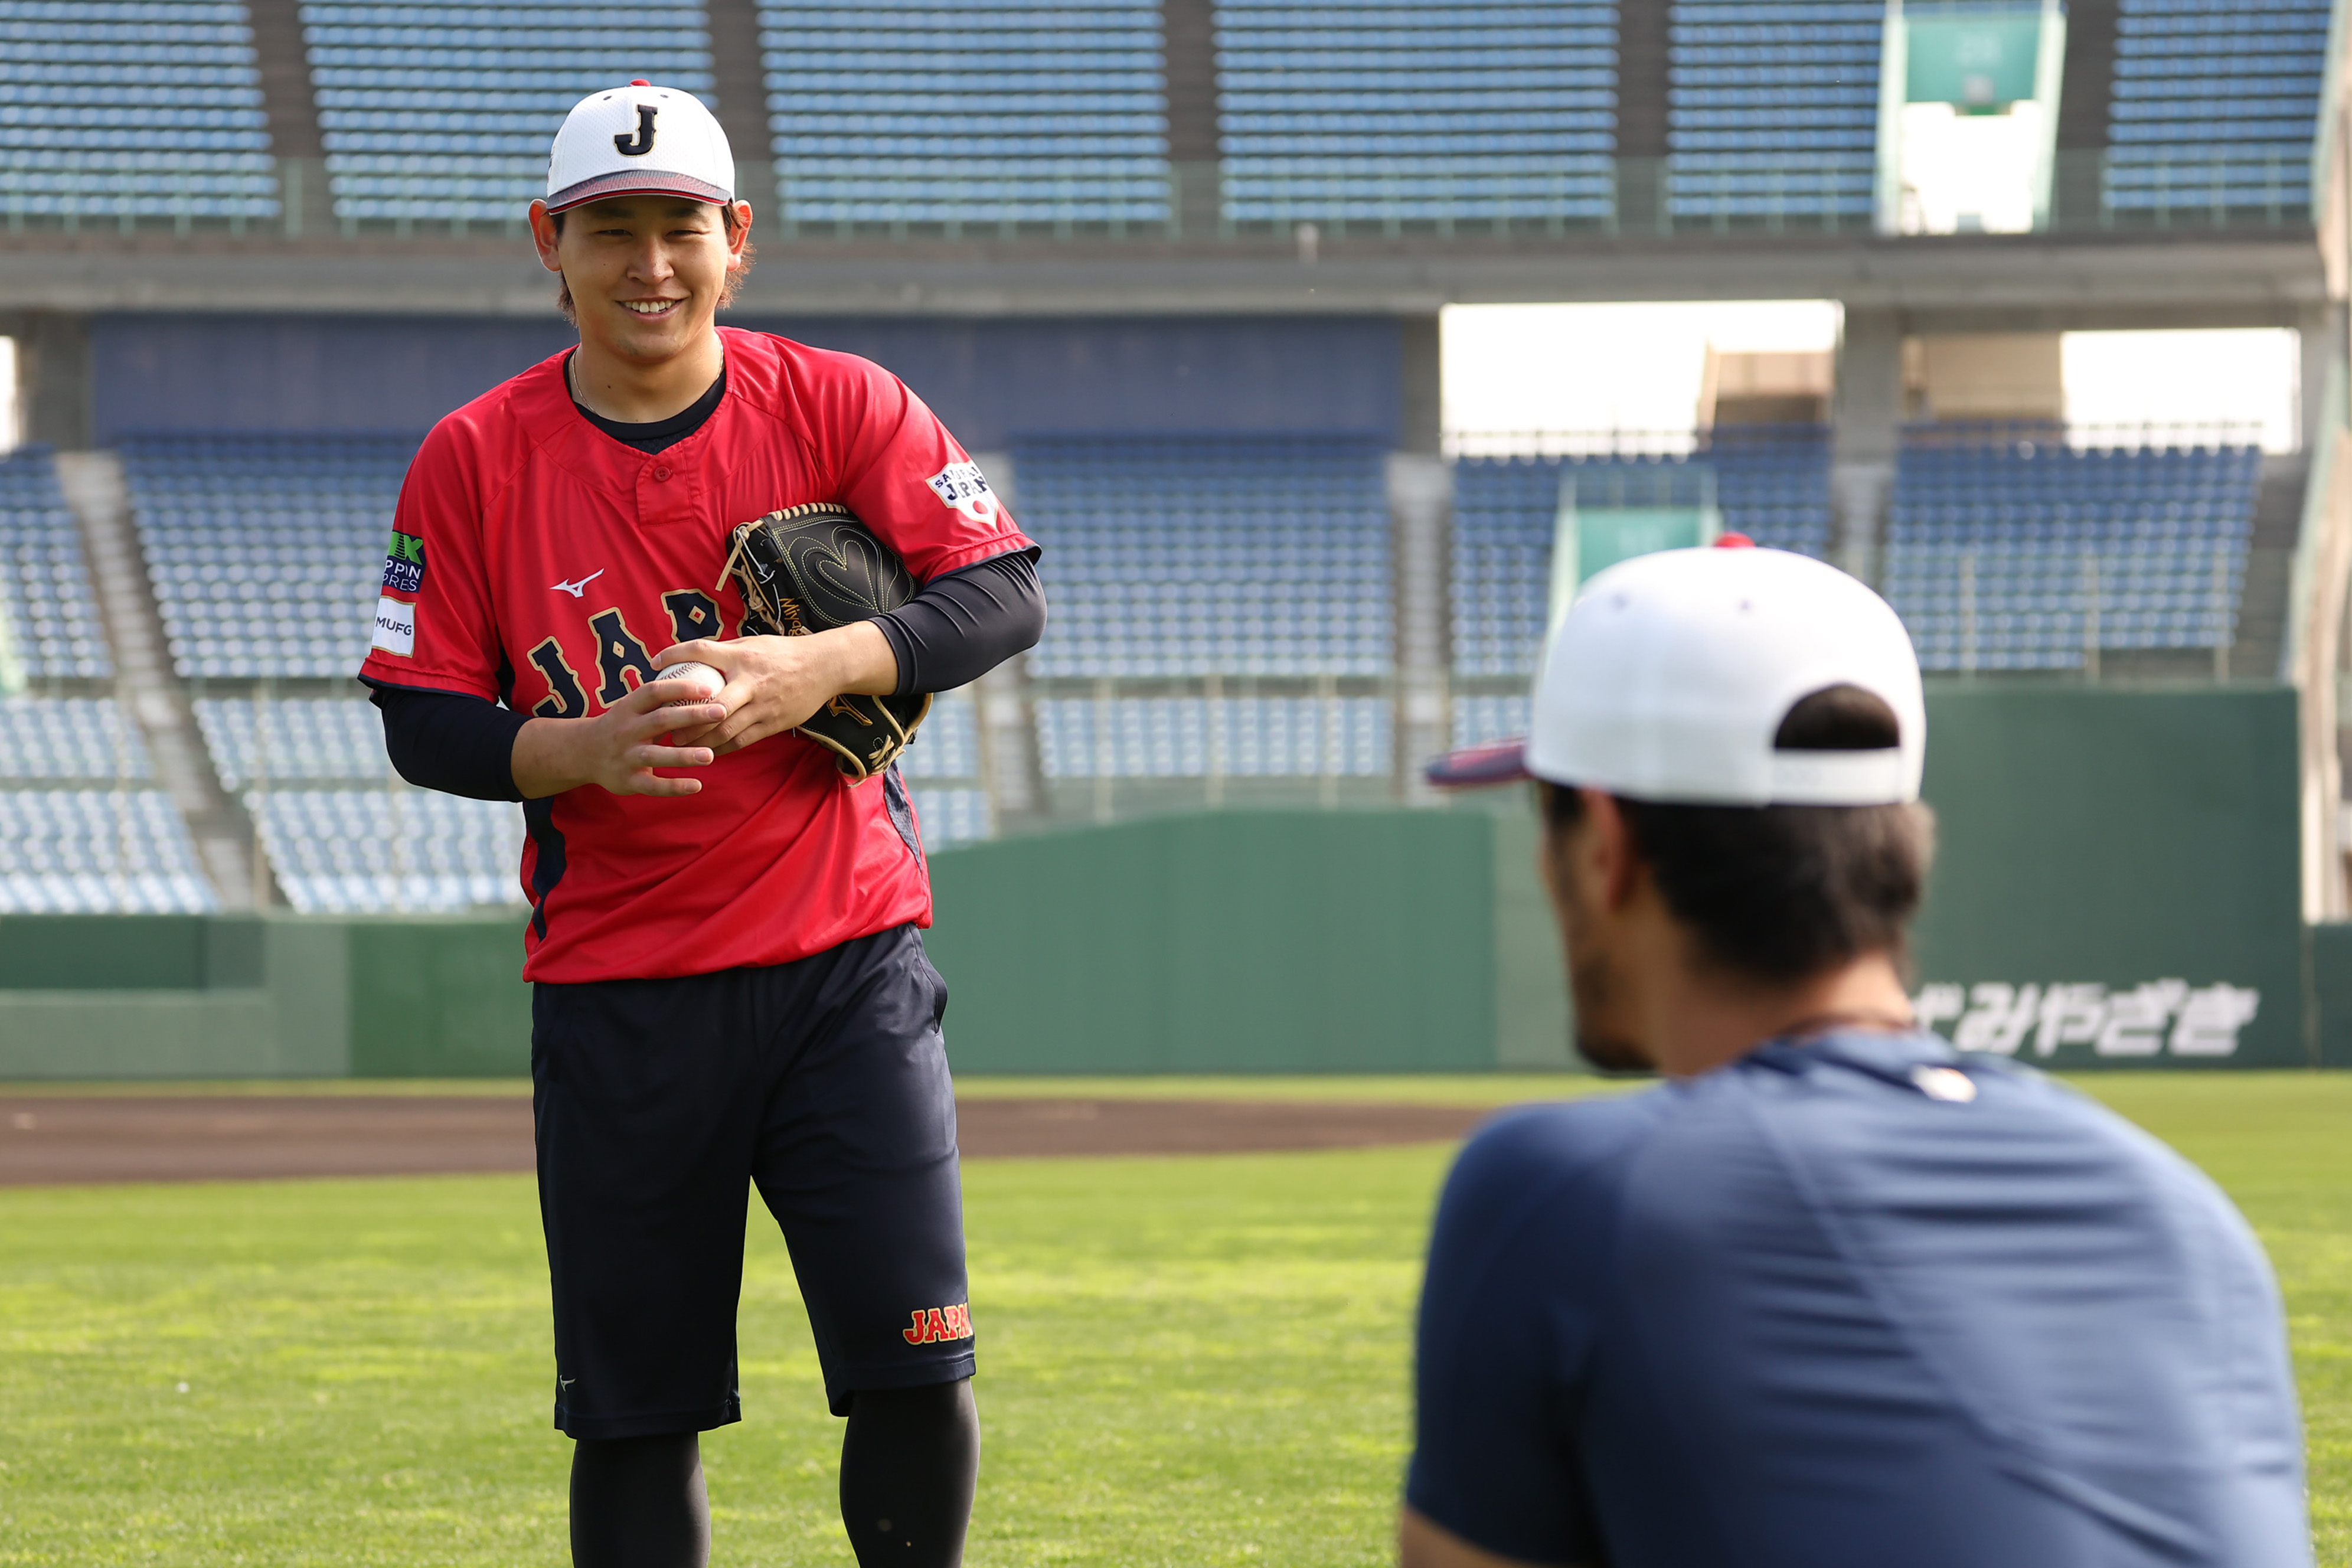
[
  {"x": 639, "y": 81},
  {"x": 1500, "y": 763},
  {"x": 1734, "y": 541},
  {"x": 638, "y": 182}
]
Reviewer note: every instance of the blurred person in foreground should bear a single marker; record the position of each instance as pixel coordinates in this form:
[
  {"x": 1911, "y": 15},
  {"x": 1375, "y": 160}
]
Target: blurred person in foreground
[{"x": 1833, "y": 1293}]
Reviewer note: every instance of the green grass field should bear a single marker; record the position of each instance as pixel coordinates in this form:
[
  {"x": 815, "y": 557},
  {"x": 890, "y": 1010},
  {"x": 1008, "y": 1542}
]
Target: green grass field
[{"x": 1184, "y": 1362}]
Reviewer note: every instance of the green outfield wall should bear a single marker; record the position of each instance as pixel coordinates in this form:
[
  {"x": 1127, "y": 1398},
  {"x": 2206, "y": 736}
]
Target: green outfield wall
[
  {"x": 2117, "y": 884},
  {"x": 1307, "y": 941},
  {"x": 2107, "y": 856}
]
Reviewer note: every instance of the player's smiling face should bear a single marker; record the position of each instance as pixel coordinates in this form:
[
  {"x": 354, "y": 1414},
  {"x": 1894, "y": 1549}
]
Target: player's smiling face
[{"x": 645, "y": 273}]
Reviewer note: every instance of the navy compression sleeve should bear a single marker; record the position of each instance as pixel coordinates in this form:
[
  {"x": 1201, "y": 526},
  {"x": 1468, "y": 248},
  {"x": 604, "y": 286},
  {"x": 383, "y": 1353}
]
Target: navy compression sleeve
[
  {"x": 450, "y": 742},
  {"x": 967, "y": 623}
]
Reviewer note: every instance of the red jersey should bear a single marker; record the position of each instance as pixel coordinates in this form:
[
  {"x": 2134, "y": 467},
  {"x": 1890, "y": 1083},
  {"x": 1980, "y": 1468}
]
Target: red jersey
[{"x": 538, "y": 562}]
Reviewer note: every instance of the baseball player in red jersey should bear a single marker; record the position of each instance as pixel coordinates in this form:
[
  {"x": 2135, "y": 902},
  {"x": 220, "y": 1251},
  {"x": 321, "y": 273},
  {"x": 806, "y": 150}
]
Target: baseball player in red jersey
[{"x": 730, "y": 985}]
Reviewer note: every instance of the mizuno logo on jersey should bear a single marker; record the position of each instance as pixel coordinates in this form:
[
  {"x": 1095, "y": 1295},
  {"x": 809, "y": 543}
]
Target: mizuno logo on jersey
[
  {"x": 576, "y": 589},
  {"x": 938, "y": 1323}
]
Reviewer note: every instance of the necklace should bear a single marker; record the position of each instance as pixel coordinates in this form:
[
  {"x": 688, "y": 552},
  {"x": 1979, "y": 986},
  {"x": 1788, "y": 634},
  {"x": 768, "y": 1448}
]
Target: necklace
[{"x": 1822, "y": 1023}]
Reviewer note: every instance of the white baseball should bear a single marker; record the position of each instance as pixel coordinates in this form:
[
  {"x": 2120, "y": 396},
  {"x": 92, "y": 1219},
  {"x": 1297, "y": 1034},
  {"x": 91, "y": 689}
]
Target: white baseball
[{"x": 679, "y": 671}]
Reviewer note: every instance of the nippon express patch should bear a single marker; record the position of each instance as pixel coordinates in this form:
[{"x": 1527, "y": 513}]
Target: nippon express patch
[{"x": 404, "y": 564}]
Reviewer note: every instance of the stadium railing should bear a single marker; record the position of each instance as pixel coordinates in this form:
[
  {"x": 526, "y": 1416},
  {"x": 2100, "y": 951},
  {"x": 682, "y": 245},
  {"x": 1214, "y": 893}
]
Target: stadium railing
[{"x": 1072, "y": 201}]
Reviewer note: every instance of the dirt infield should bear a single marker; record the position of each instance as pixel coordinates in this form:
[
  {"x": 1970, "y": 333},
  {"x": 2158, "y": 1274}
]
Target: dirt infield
[{"x": 48, "y": 1140}]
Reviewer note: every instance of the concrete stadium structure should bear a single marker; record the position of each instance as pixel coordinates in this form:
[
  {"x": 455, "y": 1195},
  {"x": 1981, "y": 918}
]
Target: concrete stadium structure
[{"x": 1247, "y": 227}]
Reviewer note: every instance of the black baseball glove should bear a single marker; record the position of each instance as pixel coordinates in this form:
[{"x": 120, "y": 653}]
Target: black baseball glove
[{"x": 812, "y": 568}]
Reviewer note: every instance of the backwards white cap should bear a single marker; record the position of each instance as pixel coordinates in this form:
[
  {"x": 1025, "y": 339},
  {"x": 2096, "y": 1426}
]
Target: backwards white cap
[
  {"x": 639, "y": 140},
  {"x": 1672, "y": 672}
]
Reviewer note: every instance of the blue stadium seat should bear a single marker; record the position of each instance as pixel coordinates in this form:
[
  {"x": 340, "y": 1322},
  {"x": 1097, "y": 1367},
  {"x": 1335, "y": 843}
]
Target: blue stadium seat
[
  {"x": 947, "y": 745},
  {"x": 2214, "y": 104},
  {"x": 2013, "y": 550},
  {"x": 1381, "y": 110},
  {"x": 297, "y": 740},
  {"x": 1478, "y": 720},
  {"x": 130, "y": 109},
  {"x": 443, "y": 109},
  {"x": 83, "y": 830},
  {"x": 1191, "y": 736},
  {"x": 266, "y": 552},
  {"x": 951, "y": 817},
  {"x": 87, "y": 740},
  {"x": 343, "y": 833},
  {"x": 1769, "y": 482},
  {"x": 49, "y": 617},
  {"x": 95, "y": 851},
  {"x": 389, "y": 847},
  {"x": 1772, "y": 109},
  {"x": 1187, "y": 556},
  {"x": 986, "y": 113}
]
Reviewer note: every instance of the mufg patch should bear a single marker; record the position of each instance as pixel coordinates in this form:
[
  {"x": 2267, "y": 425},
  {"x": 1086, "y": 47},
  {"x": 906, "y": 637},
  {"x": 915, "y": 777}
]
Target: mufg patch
[
  {"x": 396, "y": 626},
  {"x": 404, "y": 564}
]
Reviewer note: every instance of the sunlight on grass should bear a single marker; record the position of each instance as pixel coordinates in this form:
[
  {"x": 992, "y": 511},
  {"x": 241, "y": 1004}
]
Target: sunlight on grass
[{"x": 1183, "y": 1361}]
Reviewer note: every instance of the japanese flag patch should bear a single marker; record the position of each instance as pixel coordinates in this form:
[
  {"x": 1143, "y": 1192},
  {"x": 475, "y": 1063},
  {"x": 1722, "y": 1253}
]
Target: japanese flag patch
[{"x": 964, "y": 487}]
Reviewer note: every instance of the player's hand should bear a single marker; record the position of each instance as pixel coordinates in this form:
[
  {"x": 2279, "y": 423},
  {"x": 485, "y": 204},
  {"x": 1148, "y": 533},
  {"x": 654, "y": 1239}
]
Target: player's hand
[
  {"x": 619, "y": 749},
  {"x": 774, "y": 683}
]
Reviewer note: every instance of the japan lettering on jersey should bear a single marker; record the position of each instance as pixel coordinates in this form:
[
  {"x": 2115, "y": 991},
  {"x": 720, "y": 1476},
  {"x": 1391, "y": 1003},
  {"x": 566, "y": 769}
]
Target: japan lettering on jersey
[{"x": 538, "y": 561}]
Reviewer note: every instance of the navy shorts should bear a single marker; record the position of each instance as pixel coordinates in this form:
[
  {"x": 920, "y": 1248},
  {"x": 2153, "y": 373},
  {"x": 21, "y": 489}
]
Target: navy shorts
[{"x": 658, "y": 1103}]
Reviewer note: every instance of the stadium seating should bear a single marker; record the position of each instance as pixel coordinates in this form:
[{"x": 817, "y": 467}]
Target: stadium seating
[
  {"x": 942, "y": 768},
  {"x": 83, "y": 828},
  {"x": 1480, "y": 720},
  {"x": 350, "y": 851},
  {"x": 1244, "y": 555},
  {"x": 2215, "y": 103},
  {"x": 441, "y": 110},
  {"x": 82, "y": 739},
  {"x": 343, "y": 834},
  {"x": 987, "y": 112},
  {"x": 267, "y": 553},
  {"x": 1191, "y": 737},
  {"x": 92, "y": 851},
  {"x": 1769, "y": 482},
  {"x": 333, "y": 808},
  {"x": 120, "y": 110},
  {"x": 52, "y": 622},
  {"x": 1386, "y": 111},
  {"x": 1772, "y": 109},
  {"x": 951, "y": 817},
  {"x": 947, "y": 745},
  {"x": 301, "y": 740},
  {"x": 2001, "y": 549}
]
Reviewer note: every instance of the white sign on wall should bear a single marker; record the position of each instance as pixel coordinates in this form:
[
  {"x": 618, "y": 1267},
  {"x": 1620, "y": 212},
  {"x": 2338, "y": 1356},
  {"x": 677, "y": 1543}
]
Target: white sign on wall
[{"x": 2162, "y": 1017}]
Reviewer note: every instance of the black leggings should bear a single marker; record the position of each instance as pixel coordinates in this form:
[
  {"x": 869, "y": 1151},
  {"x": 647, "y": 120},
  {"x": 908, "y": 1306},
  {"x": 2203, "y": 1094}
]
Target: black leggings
[{"x": 908, "y": 1463}]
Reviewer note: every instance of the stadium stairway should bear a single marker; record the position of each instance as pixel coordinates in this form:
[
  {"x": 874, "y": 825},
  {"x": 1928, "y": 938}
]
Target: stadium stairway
[{"x": 154, "y": 696}]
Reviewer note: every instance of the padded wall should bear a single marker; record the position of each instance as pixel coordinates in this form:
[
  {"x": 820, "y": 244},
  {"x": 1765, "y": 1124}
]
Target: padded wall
[
  {"x": 1358, "y": 942},
  {"x": 993, "y": 380},
  {"x": 2104, "y": 841},
  {"x": 2098, "y": 835}
]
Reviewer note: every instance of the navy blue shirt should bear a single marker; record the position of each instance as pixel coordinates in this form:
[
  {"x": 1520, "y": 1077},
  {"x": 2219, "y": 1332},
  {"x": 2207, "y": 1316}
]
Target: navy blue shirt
[{"x": 1852, "y": 1300}]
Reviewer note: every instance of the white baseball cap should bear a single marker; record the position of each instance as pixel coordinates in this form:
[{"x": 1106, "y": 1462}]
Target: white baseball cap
[
  {"x": 639, "y": 140},
  {"x": 1672, "y": 672}
]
